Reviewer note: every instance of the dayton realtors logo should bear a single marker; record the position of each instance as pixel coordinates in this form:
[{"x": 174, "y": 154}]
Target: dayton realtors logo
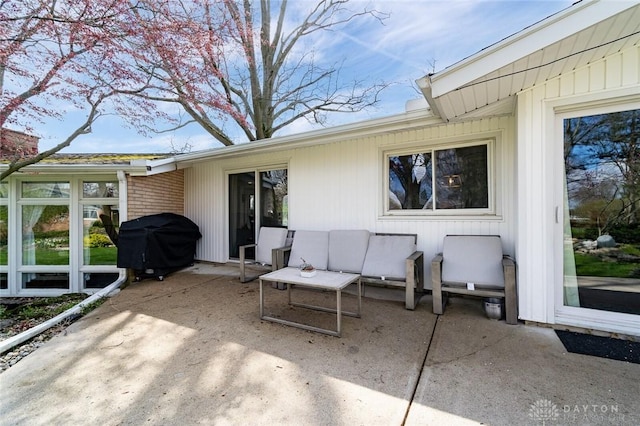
[{"x": 545, "y": 411}]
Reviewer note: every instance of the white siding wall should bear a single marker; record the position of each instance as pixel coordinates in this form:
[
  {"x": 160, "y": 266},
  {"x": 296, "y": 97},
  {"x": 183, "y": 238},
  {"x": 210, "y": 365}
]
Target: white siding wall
[
  {"x": 540, "y": 176},
  {"x": 340, "y": 186}
]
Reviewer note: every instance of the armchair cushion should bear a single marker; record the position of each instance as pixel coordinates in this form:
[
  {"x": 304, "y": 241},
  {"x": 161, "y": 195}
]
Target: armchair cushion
[
  {"x": 387, "y": 255},
  {"x": 347, "y": 249},
  {"x": 476, "y": 259},
  {"x": 313, "y": 246},
  {"x": 269, "y": 239}
]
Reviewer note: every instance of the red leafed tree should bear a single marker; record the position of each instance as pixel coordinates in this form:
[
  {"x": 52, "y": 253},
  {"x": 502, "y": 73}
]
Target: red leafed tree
[
  {"x": 246, "y": 66},
  {"x": 63, "y": 55},
  {"x": 229, "y": 66}
]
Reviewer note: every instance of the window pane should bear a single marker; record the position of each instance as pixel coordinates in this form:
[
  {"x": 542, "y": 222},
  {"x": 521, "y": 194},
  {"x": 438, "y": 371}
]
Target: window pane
[
  {"x": 602, "y": 212},
  {"x": 99, "y": 280},
  {"x": 45, "y": 280},
  {"x": 4, "y": 189},
  {"x": 273, "y": 198},
  {"x": 410, "y": 181},
  {"x": 45, "y": 189},
  {"x": 4, "y": 281},
  {"x": 98, "y": 247},
  {"x": 100, "y": 189},
  {"x": 45, "y": 235},
  {"x": 241, "y": 211},
  {"x": 4, "y": 235},
  {"x": 462, "y": 178}
]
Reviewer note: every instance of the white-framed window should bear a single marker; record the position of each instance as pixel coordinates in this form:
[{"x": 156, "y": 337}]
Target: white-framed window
[
  {"x": 452, "y": 179},
  {"x": 44, "y": 220},
  {"x": 99, "y": 204},
  {"x": 60, "y": 242}
]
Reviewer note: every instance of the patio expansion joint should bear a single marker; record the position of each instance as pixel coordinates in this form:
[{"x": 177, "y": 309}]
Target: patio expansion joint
[
  {"x": 421, "y": 369},
  {"x": 472, "y": 353}
]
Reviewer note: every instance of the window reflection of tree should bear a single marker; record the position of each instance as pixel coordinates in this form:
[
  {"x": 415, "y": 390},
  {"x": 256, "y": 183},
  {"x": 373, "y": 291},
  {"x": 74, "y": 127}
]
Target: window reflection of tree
[
  {"x": 461, "y": 179},
  {"x": 602, "y": 163}
]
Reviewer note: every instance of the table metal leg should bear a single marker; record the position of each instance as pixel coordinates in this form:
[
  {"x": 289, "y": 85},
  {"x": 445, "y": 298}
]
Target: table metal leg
[
  {"x": 338, "y": 311},
  {"x": 261, "y": 300}
]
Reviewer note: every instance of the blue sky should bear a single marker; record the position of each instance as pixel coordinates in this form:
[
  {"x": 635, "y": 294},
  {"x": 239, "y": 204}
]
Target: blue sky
[{"x": 419, "y": 37}]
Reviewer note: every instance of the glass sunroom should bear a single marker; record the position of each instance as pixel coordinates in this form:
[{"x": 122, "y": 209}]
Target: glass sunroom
[{"x": 53, "y": 238}]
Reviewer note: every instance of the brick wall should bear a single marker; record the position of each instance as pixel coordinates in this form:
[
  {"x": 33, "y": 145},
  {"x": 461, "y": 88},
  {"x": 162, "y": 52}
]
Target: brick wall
[
  {"x": 17, "y": 144},
  {"x": 162, "y": 193}
]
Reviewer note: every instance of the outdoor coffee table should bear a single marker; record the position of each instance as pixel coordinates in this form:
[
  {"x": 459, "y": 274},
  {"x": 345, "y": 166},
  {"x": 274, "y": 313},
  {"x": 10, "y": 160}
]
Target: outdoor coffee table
[{"x": 323, "y": 280}]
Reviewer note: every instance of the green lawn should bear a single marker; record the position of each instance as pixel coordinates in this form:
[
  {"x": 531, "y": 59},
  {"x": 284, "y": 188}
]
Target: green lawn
[
  {"x": 97, "y": 256},
  {"x": 593, "y": 266},
  {"x": 103, "y": 255}
]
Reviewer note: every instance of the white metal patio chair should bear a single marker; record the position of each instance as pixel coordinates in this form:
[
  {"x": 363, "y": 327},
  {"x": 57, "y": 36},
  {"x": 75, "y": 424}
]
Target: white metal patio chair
[
  {"x": 474, "y": 265},
  {"x": 266, "y": 253}
]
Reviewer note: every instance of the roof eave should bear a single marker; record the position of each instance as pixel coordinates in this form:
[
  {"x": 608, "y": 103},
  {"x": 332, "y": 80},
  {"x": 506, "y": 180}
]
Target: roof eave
[
  {"x": 59, "y": 168},
  {"x": 397, "y": 122},
  {"x": 556, "y": 27}
]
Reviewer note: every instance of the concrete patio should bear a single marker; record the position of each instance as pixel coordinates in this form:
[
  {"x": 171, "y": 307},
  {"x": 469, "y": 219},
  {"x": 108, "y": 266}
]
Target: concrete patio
[{"x": 192, "y": 350}]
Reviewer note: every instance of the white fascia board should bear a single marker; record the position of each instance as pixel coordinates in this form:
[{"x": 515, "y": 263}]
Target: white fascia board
[
  {"x": 154, "y": 167},
  {"x": 398, "y": 122},
  {"x": 89, "y": 169},
  {"x": 551, "y": 30}
]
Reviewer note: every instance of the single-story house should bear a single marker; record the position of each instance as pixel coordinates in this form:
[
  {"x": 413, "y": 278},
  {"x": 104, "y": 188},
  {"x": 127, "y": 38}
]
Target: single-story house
[{"x": 499, "y": 147}]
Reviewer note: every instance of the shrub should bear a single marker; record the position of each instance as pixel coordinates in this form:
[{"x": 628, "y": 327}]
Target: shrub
[
  {"x": 97, "y": 240},
  {"x": 625, "y": 233}
]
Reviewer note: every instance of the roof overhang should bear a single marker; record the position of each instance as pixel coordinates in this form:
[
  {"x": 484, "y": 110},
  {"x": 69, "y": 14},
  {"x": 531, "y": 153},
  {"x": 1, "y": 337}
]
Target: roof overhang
[
  {"x": 486, "y": 83},
  {"x": 399, "y": 122},
  {"x": 92, "y": 169}
]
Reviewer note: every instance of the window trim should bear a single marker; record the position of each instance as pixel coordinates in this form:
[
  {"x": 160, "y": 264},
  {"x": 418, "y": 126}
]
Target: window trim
[
  {"x": 491, "y": 142},
  {"x": 75, "y": 201}
]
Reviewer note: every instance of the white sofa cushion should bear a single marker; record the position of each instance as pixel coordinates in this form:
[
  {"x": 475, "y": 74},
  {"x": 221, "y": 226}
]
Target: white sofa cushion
[
  {"x": 386, "y": 256},
  {"x": 347, "y": 249},
  {"x": 312, "y": 246},
  {"x": 268, "y": 239},
  {"x": 473, "y": 259}
]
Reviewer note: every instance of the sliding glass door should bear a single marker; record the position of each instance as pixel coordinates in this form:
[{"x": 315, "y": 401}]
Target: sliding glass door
[
  {"x": 602, "y": 212},
  {"x": 256, "y": 198}
]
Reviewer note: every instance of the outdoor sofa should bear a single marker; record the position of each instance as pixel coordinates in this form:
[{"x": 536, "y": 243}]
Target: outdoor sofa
[{"x": 389, "y": 260}]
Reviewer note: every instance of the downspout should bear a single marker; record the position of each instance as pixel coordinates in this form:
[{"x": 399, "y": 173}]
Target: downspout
[
  {"x": 9, "y": 343},
  {"x": 425, "y": 84},
  {"x": 122, "y": 201}
]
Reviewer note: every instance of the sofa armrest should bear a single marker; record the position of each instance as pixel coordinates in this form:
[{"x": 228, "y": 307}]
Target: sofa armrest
[
  {"x": 280, "y": 257},
  {"x": 436, "y": 266},
  {"x": 414, "y": 265},
  {"x": 415, "y": 269},
  {"x": 510, "y": 290},
  {"x": 436, "y": 284}
]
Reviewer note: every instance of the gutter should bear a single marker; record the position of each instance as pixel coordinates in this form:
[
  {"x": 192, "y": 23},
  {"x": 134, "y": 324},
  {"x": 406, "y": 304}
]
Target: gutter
[
  {"x": 400, "y": 122},
  {"x": 426, "y": 87},
  {"x": 13, "y": 341}
]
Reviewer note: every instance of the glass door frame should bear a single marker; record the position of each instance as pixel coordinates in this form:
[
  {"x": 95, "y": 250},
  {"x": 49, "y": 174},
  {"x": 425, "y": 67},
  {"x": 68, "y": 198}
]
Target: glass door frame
[
  {"x": 570, "y": 315},
  {"x": 257, "y": 200}
]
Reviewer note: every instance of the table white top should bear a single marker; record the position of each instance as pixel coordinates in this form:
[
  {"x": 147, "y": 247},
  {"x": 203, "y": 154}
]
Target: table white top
[{"x": 322, "y": 279}]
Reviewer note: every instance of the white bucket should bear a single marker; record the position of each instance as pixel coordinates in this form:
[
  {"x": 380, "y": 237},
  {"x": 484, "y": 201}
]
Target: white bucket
[{"x": 493, "y": 308}]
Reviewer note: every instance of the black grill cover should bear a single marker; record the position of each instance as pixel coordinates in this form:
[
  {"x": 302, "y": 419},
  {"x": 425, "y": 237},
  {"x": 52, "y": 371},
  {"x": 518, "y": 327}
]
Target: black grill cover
[{"x": 164, "y": 240}]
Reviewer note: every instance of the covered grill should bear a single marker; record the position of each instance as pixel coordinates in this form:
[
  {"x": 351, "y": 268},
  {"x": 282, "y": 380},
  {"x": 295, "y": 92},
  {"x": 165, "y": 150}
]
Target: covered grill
[{"x": 158, "y": 244}]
